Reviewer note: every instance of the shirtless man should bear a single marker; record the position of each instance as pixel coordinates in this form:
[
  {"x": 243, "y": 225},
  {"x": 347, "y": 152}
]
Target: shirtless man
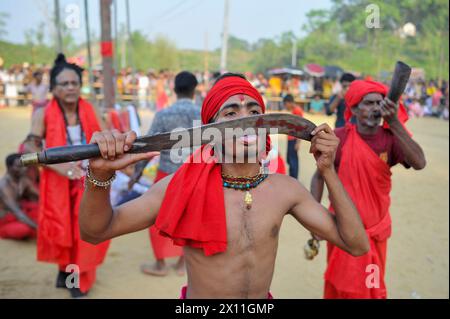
[
  {"x": 14, "y": 187},
  {"x": 241, "y": 266}
]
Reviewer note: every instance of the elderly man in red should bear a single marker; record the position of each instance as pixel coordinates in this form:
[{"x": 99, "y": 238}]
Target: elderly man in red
[{"x": 363, "y": 160}]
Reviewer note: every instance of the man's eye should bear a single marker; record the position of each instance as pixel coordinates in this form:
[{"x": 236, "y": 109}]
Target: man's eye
[
  {"x": 254, "y": 112},
  {"x": 230, "y": 113}
]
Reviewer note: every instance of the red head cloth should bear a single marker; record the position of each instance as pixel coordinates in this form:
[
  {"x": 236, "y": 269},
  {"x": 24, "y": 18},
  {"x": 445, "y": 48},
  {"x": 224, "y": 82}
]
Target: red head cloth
[
  {"x": 193, "y": 210},
  {"x": 360, "y": 88},
  {"x": 222, "y": 91}
]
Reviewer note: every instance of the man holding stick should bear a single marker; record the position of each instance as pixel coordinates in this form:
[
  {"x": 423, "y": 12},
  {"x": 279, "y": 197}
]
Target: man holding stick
[
  {"x": 229, "y": 240},
  {"x": 363, "y": 160}
]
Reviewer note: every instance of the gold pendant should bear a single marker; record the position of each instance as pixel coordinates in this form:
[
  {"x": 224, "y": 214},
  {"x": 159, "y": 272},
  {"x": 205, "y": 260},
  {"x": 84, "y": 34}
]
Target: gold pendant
[{"x": 248, "y": 200}]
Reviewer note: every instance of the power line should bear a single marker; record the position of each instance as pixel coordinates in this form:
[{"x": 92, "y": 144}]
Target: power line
[
  {"x": 176, "y": 14},
  {"x": 168, "y": 11},
  {"x": 184, "y": 11}
]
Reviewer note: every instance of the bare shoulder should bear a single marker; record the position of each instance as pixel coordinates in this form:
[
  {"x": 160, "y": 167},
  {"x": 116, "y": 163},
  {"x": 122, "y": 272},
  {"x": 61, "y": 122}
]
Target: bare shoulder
[
  {"x": 292, "y": 188},
  {"x": 285, "y": 181}
]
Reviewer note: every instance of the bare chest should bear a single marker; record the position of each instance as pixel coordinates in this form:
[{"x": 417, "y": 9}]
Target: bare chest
[{"x": 249, "y": 229}]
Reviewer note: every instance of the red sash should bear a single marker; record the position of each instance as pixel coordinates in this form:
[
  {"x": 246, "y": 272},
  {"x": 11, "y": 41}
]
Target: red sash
[
  {"x": 193, "y": 210},
  {"x": 367, "y": 180},
  {"x": 58, "y": 233}
]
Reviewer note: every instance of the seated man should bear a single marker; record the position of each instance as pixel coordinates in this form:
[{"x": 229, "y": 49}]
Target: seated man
[
  {"x": 225, "y": 214},
  {"x": 18, "y": 201}
]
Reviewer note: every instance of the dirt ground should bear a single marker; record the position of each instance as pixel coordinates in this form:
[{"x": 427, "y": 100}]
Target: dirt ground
[{"x": 418, "y": 252}]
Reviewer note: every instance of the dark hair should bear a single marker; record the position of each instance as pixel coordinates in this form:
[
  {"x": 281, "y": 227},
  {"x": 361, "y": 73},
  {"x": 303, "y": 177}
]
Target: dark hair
[
  {"x": 10, "y": 159},
  {"x": 229, "y": 74},
  {"x": 347, "y": 77},
  {"x": 288, "y": 98},
  {"x": 185, "y": 83},
  {"x": 60, "y": 65}
]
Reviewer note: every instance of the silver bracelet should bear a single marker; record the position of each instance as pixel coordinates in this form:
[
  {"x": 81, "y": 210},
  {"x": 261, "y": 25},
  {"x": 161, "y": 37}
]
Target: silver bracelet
[{"x": 97, "y": 183}]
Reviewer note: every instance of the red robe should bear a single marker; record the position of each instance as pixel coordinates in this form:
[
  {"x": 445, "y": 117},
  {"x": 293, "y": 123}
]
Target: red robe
[
  {"x": 114, "y": 121},
  {"x": 59, "y": 235},
  {"x": 367, "y": 180},
  {"x": 11, "y": 228}
]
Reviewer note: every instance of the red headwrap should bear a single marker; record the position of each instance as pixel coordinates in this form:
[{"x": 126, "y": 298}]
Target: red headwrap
[
  {"x": 193, "y": 210},
  {"x": 360, "y": 88}
]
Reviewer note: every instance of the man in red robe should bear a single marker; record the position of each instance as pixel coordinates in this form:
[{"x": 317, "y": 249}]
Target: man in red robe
[
  {"x": 226, "y": 214},
  {"x": 363, "y": 160},
  {"x": 66, "y": 120}
]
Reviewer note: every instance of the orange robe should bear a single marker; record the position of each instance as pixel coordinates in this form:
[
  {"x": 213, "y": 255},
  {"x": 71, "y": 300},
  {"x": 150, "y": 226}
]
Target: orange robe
[
  {"x": 59, "y": 235},
  {"x": 367, "y": 180}
]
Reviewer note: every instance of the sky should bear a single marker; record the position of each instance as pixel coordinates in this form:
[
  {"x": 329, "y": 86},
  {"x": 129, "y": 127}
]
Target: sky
[{"x": 186, "y": 22}]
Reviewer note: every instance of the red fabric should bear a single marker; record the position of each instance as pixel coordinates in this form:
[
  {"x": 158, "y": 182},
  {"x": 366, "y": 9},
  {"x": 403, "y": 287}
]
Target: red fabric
[
  {"x": 162, "y": 246},
  {"x": 59, "y": 236},
  {"x": 106, "y": 48},
  {"x": 193, "y": 210},
  {"x": 11, "y": 228},
  {"x": 277, "y": 166},
  {"x": 114, "y": 121},
  {"x": 125, "y": 120},
  {"x": 360, "y": 88},
  {"x": 383, "y": 143},
  {"x": 161, "y": 101},
  {"x": 160, "y": 175},
  {"x": 367, "y": 180}
]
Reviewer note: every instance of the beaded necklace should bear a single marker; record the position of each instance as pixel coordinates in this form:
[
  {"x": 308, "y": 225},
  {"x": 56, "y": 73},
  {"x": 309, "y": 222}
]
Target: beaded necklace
[{"x": 244, "y": 183}]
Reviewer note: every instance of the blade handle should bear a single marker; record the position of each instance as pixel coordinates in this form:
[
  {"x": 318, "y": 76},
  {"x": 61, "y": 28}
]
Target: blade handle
[{"x": 56, "y": 155}]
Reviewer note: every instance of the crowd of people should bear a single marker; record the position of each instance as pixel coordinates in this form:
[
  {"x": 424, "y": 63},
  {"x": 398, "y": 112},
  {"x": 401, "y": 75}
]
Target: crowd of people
[{"x": 29, "y": 84}]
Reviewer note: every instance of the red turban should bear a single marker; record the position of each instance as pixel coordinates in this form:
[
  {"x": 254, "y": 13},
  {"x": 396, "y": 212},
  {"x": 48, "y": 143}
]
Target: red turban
[
  {"x": 193, "y": 210},
  {"x": 360, "y": 88},
  {"x": 223, "y": 90}
]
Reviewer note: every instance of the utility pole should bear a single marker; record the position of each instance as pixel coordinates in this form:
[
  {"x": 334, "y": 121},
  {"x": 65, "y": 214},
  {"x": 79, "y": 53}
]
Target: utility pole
[
  {"x": 206, "y": 62},
  {"x": 223, "y": 57},
  {"x": 59, "y": 44},
  {"x": 116, "y": 39},
  {"x": 129, "y": 40},
  {"x": 89, "y": 52},
  {"x": 294, "y": 52},
  {"x": 107, "y": 54},
  {"x": 130, "y": 48}
]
